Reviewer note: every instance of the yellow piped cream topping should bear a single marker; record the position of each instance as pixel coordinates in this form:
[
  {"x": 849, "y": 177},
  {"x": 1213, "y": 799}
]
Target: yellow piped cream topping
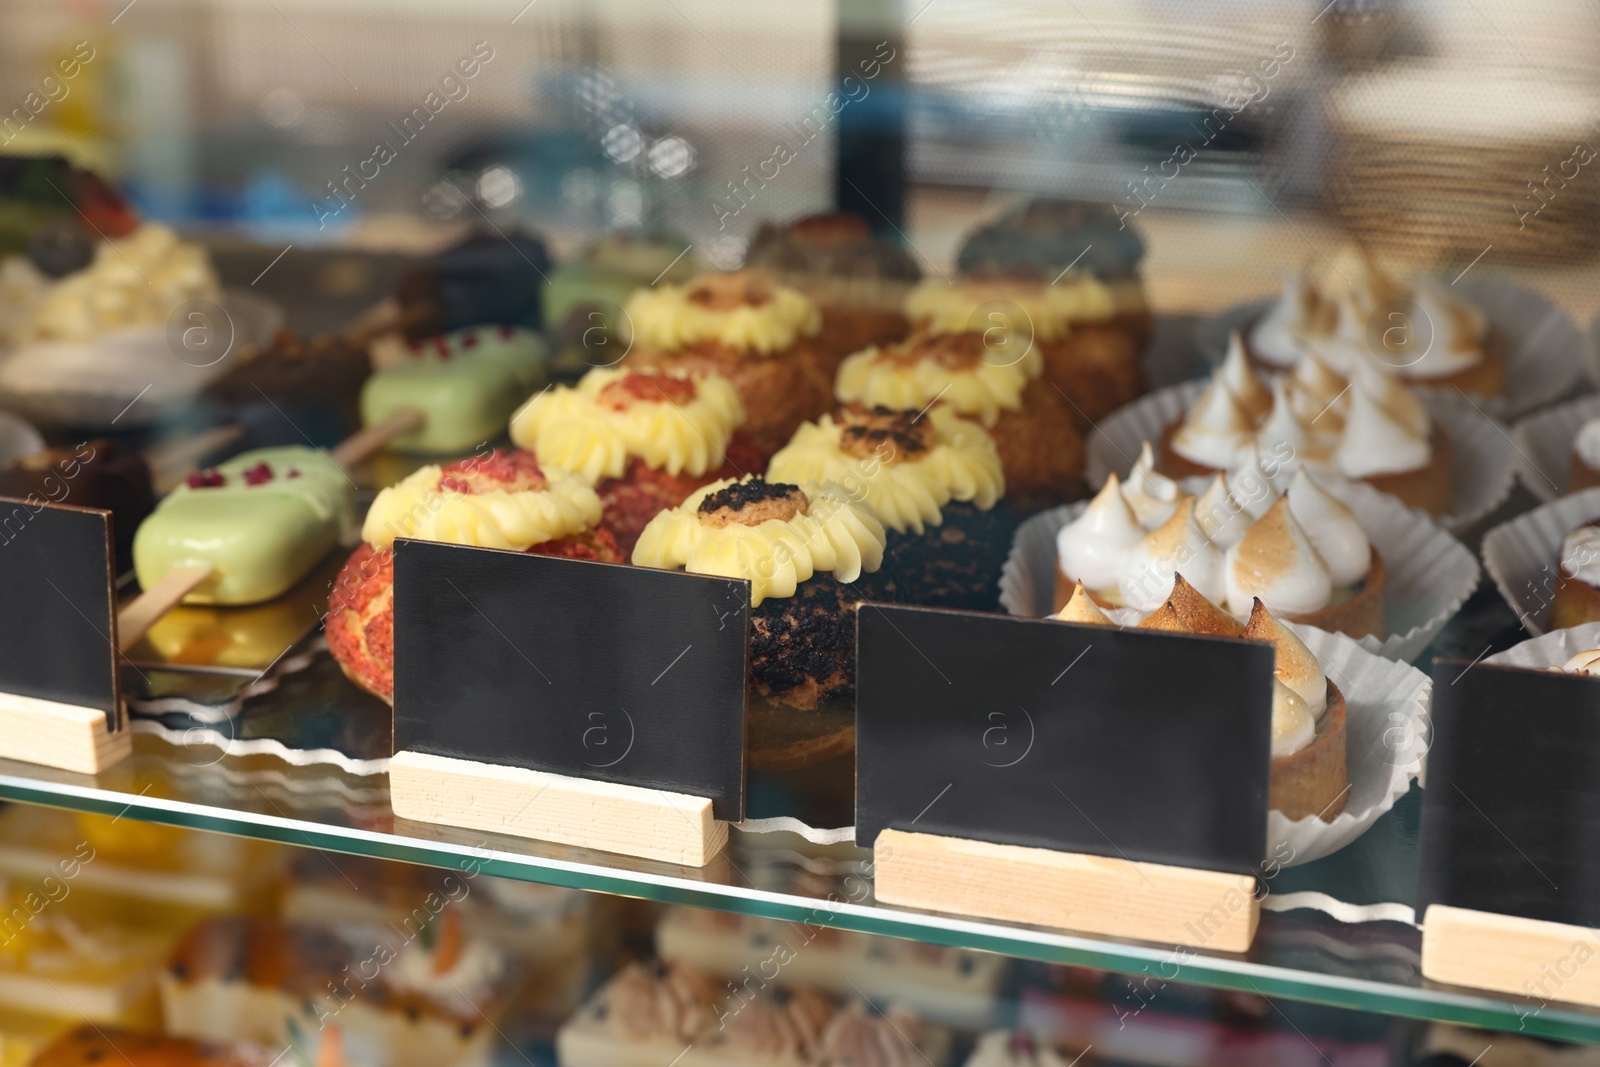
[
  {"x": 515, "y": 519},
  {"x": 984, "y": 390},
  {"x": 666, "y": 318},
  {"x": 974, "y": 305}
]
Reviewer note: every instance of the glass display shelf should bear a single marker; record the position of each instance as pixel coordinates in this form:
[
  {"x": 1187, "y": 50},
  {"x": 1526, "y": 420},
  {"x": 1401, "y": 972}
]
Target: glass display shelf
[{"x": 1299, "y": 954}]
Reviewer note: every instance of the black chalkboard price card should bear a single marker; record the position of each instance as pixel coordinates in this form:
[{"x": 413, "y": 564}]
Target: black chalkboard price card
[
  {"x": 1509, "y": 887},
  {"x": 586, "y": 703},
  {"x": 60, "y": 704},
  {"x": 1111, "y": 781}
]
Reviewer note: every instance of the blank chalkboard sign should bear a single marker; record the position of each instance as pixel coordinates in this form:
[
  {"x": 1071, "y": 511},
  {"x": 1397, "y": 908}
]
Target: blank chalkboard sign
[
  {"x": 57, "y": 608},
  {"x": 1132, "y": 744},
  {"x": 593, "y": 670},
  {"x": 1511, "y": 815}
]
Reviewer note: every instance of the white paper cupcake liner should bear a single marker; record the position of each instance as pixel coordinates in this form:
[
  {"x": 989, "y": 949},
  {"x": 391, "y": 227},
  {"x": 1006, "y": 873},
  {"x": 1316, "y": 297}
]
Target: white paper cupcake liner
[
  {"x": 1546, "y": 352},
  {"x": 1543, "y": 456},
  {"x": 1481, "y": 467},
  {"x": 1523, "y": 556},
  {"x": 1428, "y": 574},
  {"x": 1549, "y": 650},
  {"x": 1386, "y": 741}
]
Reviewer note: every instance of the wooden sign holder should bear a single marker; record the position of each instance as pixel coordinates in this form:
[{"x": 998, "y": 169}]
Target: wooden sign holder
[
  {"x": 1094, "y": 894},
  {"x": 649, "y": 823},
  {"x": 67, "y": 736},
  {"x": 1510, "y": 954}
]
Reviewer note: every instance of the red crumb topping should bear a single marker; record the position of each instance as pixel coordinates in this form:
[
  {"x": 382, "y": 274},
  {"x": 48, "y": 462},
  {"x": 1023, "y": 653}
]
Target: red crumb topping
[
  {"x": 260, "y": 474},
  {"x": 649, "y": 387},
  {"x": 294, "y": 472},
  {"x": 470, "y": 341},
  {"x": 211, "y": 479},
  {"x": 514, "y": 471}
]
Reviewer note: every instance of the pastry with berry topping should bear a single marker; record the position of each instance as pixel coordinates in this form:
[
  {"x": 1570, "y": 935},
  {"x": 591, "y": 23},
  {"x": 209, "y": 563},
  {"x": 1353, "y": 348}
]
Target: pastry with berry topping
[
  {"x": 95, "y": 474},
  {"x": 466, "y": 384},
  {"x": 90, "y": 1045},
  {"x": 495, "y": 500},
  {"x": 761, "y": 336},
  {"x": 1033, "y": 425},
  {"x": 645, "y": 439},
  {"x": 801, "y": 547},
  {"x": 413, "y": 994},
  {"x": 260, "y": 522},
  {"x": 858, "y": 279},
  {"x": 934, "y": 479}
]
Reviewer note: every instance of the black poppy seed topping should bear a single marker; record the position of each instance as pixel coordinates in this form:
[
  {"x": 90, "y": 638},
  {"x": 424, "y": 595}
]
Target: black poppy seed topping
[{"x": 742, "y": 494}]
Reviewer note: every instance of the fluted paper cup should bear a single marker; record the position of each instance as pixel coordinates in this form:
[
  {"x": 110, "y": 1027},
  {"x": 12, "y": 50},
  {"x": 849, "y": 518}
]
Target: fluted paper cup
[
  {"x": 1543, "y": 454},
  {"x": 1428, "y": 573},
  {"x": 1549, "y": 650},
  {"x": 1546, "y": 353},
  {"x": 1523, "y": 556},
  {"x": 1481, "y": 465}
]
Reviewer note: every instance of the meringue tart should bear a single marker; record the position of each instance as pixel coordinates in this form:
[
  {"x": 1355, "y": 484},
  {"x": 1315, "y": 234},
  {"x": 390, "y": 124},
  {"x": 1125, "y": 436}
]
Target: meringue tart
[{"x": 1577, "y": 594}]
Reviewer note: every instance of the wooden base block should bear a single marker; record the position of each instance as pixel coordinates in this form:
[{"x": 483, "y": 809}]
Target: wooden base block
[
  {"x": 1526, "y": 957},
  {"x": 67, "y": 736},
  {"x": 650, "y": 823},
  {"x": 1095, "y": 894}
]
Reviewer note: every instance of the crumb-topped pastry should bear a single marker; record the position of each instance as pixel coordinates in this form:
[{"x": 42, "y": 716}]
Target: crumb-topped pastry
[
  {"x": 858, "y": 279},
  {"x": 90, "y": 1045},
  {"x": 760, "y": 335},
  {"x": 1303, "y": 551},
  {"x": 933, "y": 479},
  {"x": 1309, "y": 773},
  {"x": 1368, "y": 427},
  {"x": 419, "y": 993},
  {"x": 1033, "y": 427},
  {"x": 1073, "y": 323},
  {"x": 800, "y": 547},
  {"x": 1577, "y": 594},
  {"x": 645, "y": 439},
  {"x": 499, "y": 500}
]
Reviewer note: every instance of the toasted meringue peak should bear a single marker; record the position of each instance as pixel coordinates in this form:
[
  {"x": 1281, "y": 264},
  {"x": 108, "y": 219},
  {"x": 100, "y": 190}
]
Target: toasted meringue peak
[
  {"x": 1347, "y": 343},
  {"x": 1237, "y": 377},
  {"x": 1214, "y": 429},
  {"x": 1313, "y": 375},
  {"x": 1584, "y": 663},
  {"x": 1275, "y": 561},
  {"x": 1283, "y": 433},
  {"x": 1455, "y": 330},
  {"x": 1187, "y": 611},
  {"x": 1150, "y": 494},
  {"x": 1323, "y": 419},
  {"x": 1081, "y": 608},
  {"x": 1093, "y": 547},
  {"x": 1293, "y": 663},
  {"x": 1334, "y": 530},
  {"x": 1176, "y": 545},
  {"x": 1222, "y": 518},
  {"x": 1381, "y": 384},
  {"x": 1368, "y": 284},
  {"x": 1299, "y": 312},
  {"x": 1293, "y": 725},
  {"x": 1586, "y": 443},
  {"x": 1255, "y": 480},
  {"x": 1375, "y": 442}
]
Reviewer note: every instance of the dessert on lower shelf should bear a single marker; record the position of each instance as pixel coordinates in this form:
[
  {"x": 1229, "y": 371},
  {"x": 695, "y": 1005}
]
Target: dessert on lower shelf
[
  {"x": 1019, "y": 1048},
  {"x": 1089, "y": 334},
  {"x": 858, "y": 279},
  {"x": 653, "y": 1013},
  {"x": 1309, "y": 772},
  {"x": 91, "y": 1044},
  {"x": 645, "y": 439},
  {"x": 934, "y": 479},
  {"x": 761, "y": 336},
  {"x": 494, "y": 500},
  {"x": 585, "y": 294},
  {"x": 952, "y": 986},
  {"x": 1361, "y": 424},
  {"x": 801, "y": 547},
  {"x": 1303, "y": 551},
  {"x": 466, "y": 384},
  {"x": 417, "y": 995},
  {"x": 1045, "y": 236},
  {"x": 260, "y": 521},
  {"x": 97, "y": 473},
  {"x": 1577, "y": 594},
  {"x": 490, "y": 276},
  {"x": 1033, "y": 426}
]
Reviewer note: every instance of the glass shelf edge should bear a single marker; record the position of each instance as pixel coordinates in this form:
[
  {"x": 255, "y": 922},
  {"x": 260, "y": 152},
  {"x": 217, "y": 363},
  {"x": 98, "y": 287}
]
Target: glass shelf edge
[{"x": 1219, "y": 972}]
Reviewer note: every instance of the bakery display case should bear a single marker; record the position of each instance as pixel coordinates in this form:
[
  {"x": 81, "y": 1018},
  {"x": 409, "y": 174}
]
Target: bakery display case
[{"x": 655, "y": 532}]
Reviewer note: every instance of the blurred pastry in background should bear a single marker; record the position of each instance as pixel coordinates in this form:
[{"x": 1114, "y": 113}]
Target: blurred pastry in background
[
  {"x": 89, "y": 1044},
  {"x": 586, "y": 294},
  {"x": 311, "y": 384},
  {"x": 491, "y": 277},
  {"x": 97, "y": 473},
  {"x": 858, "y": 279}
]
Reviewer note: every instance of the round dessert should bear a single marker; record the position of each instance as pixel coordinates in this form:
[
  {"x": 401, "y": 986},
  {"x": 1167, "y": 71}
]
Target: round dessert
[
  {"x": 1302, "y": 552},
  {"x": 1586, "y": 457},
  {"x": 1041, "y": 450},
  {"x": 800, "y": 547},
  {"x": 759, "y": 335},
  {"x": 933, "y": 480},
  {"x": 313, "y": 384},
  {"x": 584, "y": 297},
  {"x": 645, "y": 439},
  {"x": 95, "y": 474},
  {"x": 1577, "y": 594},
  {"x": 857, "y": 278},
  {"x": 1425, "y": 333},
  {"x": 491, "y": 276},
  {"x": 466, "y": 384},
  {"x": 497, "y": 500},
  {"x": 1309, "y": 773},
  {"x": 1088, "y": 333},
  {"x": 1368, "y": 427}
]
